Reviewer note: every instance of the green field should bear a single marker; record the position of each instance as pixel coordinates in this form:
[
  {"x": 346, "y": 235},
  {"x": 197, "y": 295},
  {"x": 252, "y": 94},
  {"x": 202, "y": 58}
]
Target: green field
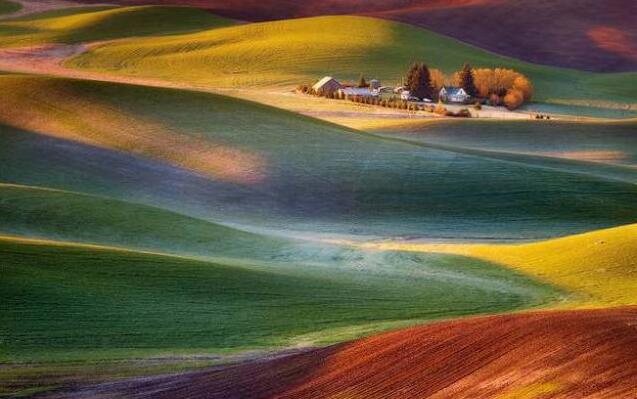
[
  {"x": 125, "y": 304},
  {"x": 608, "y": 143},
  {"x": 103, "y": 23},
  {"x": 310, "y": 175},
  {"x": 9, "y": 7},
  {"x": 291, "y": 52}
]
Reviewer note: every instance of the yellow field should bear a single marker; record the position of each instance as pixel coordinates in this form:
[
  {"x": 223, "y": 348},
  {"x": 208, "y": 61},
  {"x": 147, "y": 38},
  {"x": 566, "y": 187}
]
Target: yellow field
[{"x": 599, "y": 267}]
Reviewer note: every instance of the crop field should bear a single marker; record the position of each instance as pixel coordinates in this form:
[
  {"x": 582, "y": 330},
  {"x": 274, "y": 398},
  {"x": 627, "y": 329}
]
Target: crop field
[
  {"x": 103, "y": 23},
  {"x": 165, "y": 234},
  {"x": 320, "y": 46},
  {"x": 450, "y": 359},
  {"x": 332, "y": 177},
  {"x": 598, "y": 267}
]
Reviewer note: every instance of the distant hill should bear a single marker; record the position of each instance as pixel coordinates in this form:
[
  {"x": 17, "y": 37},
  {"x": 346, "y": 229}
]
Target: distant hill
[{"x": 581, "y": 34}]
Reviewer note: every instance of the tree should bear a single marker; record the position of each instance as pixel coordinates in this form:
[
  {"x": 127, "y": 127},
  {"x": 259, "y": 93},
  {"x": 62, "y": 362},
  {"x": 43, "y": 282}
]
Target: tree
[
  {"x": 513, "y": 99},
  {"x": 466, "y": 80},
  {"x": 419, "y": 81},
  {"x": 525, "y": 86},
  {"x": 438, "y": 79},
  {"x": 361, "y": 81}
]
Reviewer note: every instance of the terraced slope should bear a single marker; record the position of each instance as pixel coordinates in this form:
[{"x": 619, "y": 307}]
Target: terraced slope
[
  {"x": 302, "y": 50},
  {"x": 600, "y": 266},
  {"x": 278, "y": 170},
  {"x": 103, "y": 23},
  {"x": 536, "y": 355}
]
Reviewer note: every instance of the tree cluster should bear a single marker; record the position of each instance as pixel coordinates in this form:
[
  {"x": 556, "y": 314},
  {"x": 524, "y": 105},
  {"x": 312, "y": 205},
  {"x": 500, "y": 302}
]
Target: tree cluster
[
  {"x": 503, "y": 86},
  {"x": 419, "y": 81}
]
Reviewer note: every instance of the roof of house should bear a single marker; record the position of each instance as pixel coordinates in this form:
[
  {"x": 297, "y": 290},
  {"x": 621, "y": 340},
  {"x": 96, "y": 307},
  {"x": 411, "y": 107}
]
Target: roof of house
[
  {"x": 356, "y": 91},
  {"x": 453, "y": 90},
  {"x": 323, "y": 82}
]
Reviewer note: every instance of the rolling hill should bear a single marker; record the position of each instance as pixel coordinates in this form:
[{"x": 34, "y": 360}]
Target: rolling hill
[
  {"x": 305, "y": 172},
  {"x": 103, "y": 23},
  {"x": 599, "y": 266},
  {"x": 320, "y": 46},
  {"x": 585, "y": 35},
  {"x": 125, "y": 304},
  {"x": 535, "y": 355}
]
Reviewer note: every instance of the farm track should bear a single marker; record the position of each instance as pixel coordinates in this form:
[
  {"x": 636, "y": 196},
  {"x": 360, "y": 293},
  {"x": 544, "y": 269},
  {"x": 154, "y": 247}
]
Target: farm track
[{"x": 586, "y": 353}]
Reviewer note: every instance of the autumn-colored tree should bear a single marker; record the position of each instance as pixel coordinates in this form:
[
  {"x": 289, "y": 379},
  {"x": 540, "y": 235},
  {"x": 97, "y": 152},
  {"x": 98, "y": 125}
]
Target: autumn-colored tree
[
  {"x": 438, "y": 79},
  {"x": 419, "y": 81},
  {"x": 523, "y": 84},
  {"x": 513, "y": 99},
  {"x": 466, "y": 81}
]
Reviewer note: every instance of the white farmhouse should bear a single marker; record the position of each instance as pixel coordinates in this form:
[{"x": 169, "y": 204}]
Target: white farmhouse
[{"x": 452, "y": 94}]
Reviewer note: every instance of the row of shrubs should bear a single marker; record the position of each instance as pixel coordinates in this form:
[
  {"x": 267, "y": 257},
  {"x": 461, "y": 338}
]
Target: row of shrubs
[{"x": 392, "y": 102}]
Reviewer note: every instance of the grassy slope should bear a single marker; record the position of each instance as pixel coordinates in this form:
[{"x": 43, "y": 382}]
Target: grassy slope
[
  {"x": 68, "y": 216},
  {"x": 301, "y": 50},
  {"x": 103, "y": 23},
  {"x": 9, "y": 7},
  {"x": 613, "y": 143},
  {"x": 601, "y": 266},
  {"x": 126, "y": 303},
  {"x": 312, "y": 175}
]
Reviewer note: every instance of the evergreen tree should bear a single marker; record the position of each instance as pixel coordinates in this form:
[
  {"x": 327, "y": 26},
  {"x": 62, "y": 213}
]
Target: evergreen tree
[
  {"x": 466, "y": 80},
  {"x": 419, "y": 81},
  {"x": 361, "y": 81}
]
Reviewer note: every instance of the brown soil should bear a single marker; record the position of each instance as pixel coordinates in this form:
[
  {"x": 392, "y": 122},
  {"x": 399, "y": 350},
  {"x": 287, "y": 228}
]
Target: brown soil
[{"x": 570, "y": 354}]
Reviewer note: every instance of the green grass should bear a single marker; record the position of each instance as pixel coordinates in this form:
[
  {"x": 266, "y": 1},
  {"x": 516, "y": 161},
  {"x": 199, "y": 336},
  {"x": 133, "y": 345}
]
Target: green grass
[
  {"x": 9, "y": 7},
  {"x": 316, "y": 176},
  {"x": 125, "y": 304},
  {"x": 291, "y": 52},
  {"x": 103, "y": 23}
]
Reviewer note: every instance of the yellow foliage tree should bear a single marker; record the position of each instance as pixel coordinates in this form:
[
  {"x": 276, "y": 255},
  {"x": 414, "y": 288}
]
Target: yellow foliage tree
[{"x": 513, "y": 99}]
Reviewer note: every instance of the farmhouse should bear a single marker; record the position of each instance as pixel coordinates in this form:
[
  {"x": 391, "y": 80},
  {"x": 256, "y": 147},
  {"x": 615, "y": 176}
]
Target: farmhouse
[
  {"x": 452, "y": 94},
  {"x": 326, "y": 86}
]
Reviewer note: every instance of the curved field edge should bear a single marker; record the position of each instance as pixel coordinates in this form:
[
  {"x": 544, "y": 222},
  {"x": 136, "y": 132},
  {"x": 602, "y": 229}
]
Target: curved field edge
[
  {"x": 343, "y": 50},
  {"x": 127, "y": 304},
  {"x": 599, "y": 267},
  {"x": 90, "y": 24},
  {"x": 559, "y": 354}
]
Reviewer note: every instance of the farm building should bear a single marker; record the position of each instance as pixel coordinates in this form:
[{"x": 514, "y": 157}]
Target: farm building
[
  {"x": 358, "y": 91},
  {"x": 452, "y": 94},
  {"x": 327, "y": 85}
]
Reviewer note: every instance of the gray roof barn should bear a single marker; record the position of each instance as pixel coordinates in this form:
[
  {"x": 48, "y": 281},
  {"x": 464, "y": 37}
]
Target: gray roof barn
[{"x": 327, "y": 85}]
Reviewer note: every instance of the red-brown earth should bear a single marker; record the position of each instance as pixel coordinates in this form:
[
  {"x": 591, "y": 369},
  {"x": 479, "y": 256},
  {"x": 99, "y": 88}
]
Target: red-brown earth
[
  {"x": 566, "y": 354},
  {"x": 561, "y": 33}
]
